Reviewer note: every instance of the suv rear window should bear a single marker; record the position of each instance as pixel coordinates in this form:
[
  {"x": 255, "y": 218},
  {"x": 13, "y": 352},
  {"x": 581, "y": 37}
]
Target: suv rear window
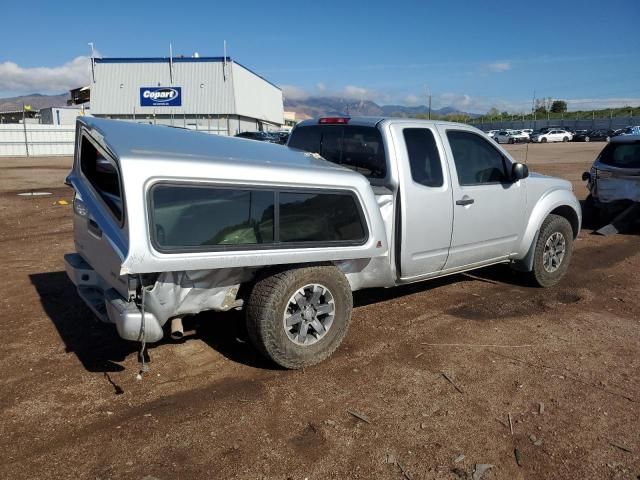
[
  {"x": 103, "y": 175},
  {"x": 621, "y": 155},
  {"x": 358, "y": 148}
]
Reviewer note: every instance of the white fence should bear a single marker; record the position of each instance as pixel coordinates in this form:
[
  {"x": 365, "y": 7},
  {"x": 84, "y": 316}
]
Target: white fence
[{"x": 39, "y": 140}]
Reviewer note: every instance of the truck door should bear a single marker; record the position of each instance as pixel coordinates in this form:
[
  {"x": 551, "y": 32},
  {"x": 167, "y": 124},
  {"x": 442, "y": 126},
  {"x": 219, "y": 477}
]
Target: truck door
[
  {"x": 488, "y": 208},
  {"x": 426, "y": 206}
]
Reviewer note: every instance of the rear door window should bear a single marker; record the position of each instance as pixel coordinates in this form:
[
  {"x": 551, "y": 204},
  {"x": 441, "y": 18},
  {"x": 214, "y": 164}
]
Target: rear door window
[
  {"x": 356, "y": 147},
  {"x": 103, "y": 175},
  {"x": 424, "y": 159}
]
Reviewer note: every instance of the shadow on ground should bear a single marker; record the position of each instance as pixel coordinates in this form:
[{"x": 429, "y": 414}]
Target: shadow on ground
[{"x": 100, "y": 349}]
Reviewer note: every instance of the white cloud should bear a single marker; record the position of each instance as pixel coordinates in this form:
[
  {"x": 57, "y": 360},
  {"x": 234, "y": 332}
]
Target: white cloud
[
  {"x": 413, "y": 100},
  {"x": 292, "y": 92},
  {"x": 499, "y": 67},
  {"x": 351, "y": 92},
  {"x": 22, "y": 80}
]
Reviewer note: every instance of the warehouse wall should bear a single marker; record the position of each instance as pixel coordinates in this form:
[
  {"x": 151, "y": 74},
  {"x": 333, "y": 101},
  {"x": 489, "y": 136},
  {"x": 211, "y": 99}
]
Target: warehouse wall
[
  {"x": 117, "y": 87},
  {"x": 255, "y": 97}
]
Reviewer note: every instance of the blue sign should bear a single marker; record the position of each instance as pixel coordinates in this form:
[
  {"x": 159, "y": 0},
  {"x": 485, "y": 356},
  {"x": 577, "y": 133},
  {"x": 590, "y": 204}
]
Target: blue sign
[{"x": 160, "y": 96}]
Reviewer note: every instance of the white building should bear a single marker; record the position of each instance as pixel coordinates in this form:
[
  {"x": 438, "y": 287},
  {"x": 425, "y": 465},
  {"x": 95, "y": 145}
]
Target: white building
[
  {"x": 214, "y": 94},
  {"x": 61, "y": 115}
]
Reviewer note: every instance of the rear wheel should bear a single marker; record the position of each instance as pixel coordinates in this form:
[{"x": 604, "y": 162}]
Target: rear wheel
[
  {"x": 298, "y": 317},
  {"x": 511, "y": 140},
  {"x": 553, "y": 251},
  {"x": 544, "y": 140},
  {"x": 565, "y": 139}
]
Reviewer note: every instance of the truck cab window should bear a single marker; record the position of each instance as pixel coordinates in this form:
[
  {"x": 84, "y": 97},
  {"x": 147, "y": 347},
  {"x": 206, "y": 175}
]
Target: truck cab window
[
  {"x": 476, "y": 160},
  {"x": 355, "y": 147}
]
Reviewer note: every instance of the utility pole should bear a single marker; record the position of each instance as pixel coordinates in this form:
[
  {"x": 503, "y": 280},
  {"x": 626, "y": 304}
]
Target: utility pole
[
  {"x": 429, "y": 101},
  {"x": 93, "y": 73},
  {"x": 24, "y": 126}
]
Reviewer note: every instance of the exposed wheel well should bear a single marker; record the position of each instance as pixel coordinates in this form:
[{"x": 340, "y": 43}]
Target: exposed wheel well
[{"x": 571, "y": 215}]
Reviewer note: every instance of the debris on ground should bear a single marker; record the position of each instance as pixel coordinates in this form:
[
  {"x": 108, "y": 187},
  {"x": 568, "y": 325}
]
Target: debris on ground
[
  {"x": 622, "y": 222},
  {"x": 540, "y": 408},
  {"x": 359, "y": 416},
  {"x": 510, "y": 423},
  {"x": 459, "y": 458},
  {"x": 516, "y": 453},
  {"x": 621, "y": 447},
  {"x": 480, "y": 469},
  {"x": 460, "y": 473},
  {"x": 448, "y": 379}
]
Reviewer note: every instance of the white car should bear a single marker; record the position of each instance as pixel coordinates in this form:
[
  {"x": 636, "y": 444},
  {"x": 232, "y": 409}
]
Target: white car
[
  {"x": 492, "y": 133},
  {"x": 511, "y": 136},
  {"x": 528, "y": 131},
  {"x": 556, "y": 135}
]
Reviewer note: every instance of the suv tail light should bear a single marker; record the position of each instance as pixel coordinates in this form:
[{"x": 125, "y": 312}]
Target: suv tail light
[{"x": 340, "y": 120}]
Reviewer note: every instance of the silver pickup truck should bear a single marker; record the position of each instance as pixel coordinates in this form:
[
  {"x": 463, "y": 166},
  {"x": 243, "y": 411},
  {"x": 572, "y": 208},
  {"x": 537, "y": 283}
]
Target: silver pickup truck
[{"x": 169, "y": 223}]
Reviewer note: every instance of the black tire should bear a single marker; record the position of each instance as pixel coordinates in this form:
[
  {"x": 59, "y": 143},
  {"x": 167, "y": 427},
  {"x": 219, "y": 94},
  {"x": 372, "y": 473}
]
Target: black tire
[
  {"x": 565, "y": 139},
  {"x": 541, "y": 276},
  {"x": 544, "y": 140},
  {"x": 587, "y": 139},
  {"x": 511, "y": 140},
  {"x": 268, "y": 302}
]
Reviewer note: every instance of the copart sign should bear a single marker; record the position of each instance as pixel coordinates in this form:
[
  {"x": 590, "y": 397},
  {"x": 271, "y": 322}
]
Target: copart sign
[{"x": 160, "y": 96}]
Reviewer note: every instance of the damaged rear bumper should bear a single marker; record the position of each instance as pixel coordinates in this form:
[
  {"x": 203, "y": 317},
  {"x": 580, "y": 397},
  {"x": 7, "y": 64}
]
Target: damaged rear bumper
[{"x": 108, "y": 304}]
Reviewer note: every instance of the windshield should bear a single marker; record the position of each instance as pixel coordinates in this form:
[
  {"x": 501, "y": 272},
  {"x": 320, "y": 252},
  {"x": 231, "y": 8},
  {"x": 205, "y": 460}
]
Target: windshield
[{"x": 621, "y": 155}]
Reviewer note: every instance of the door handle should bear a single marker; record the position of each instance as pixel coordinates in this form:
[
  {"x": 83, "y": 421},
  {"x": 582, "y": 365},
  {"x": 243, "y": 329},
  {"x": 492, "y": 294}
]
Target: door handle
[
  {"x": 465, "y": 201},
  {"x": 94, "y": 228}
]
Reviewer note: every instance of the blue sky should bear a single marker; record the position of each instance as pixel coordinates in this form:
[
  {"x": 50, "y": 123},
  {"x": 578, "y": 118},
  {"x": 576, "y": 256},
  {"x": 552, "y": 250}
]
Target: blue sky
[{"x": 469, "y": 54}]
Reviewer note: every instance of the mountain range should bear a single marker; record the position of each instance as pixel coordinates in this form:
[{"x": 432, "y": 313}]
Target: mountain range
[
  {"x": 306, "y": 108},
  {"x": 327, "y": 106},
  {"x": 36, "y": 100}
]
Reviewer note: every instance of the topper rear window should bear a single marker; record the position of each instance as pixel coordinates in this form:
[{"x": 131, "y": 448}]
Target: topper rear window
[
  {"x": 103, "y": 175},
  {"x": 187, "y": 217}
]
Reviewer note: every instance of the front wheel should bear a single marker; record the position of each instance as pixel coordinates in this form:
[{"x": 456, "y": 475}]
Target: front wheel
[
  {"x": 565, "y": 139},
  {"x": 544, "y": 140},
  {"x": 298, "y": 317},
  {"x": 553, "y": 251},
  {"x": 587, "y": 139}
]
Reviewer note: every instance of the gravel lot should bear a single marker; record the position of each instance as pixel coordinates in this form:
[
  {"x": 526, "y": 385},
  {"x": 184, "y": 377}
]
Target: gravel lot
[{"x": 561, "y": 363}]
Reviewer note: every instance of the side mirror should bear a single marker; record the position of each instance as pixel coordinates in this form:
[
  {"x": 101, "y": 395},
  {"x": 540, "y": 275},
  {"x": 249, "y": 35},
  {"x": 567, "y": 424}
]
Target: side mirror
[{"x": 519, "y": 171}]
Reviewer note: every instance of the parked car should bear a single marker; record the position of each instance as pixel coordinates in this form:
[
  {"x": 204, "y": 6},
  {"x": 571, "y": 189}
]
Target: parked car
[
  {"x": 634, "y": 130},
  {"x": 281, "y": 136},
  {"x": 175, "y": 222},
  {"x": 528, "y": 131},
  {"x": 614, "y": 179},
  {"x": 492, "y": 133},
  {"x": 511, "y": 136},
  {"x": 552, "y": 136},
  {"x": 592, "y": 135},
  {"x": 261, "y": 136}
]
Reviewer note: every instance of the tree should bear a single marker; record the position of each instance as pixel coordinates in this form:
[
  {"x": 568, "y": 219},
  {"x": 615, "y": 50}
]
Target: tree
[{"x": 558, "y": 106}]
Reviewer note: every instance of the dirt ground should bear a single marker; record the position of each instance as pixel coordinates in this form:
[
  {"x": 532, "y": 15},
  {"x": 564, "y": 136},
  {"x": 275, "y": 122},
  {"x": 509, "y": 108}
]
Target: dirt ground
[{"x": 562, "y": 364}]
